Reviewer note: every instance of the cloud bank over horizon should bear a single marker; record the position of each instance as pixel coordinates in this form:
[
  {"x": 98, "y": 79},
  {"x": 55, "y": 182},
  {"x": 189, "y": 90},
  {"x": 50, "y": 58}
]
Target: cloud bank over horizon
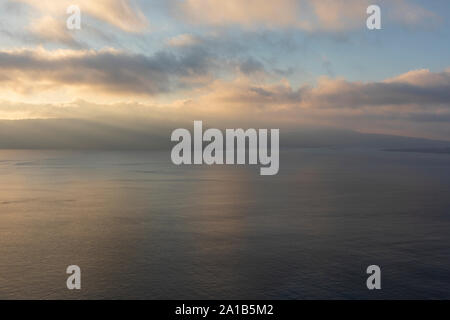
[{"x": 287, "y": 64}]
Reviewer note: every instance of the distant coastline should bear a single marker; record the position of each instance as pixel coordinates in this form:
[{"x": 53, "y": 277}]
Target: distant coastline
[{"x": 422, "y": 150}]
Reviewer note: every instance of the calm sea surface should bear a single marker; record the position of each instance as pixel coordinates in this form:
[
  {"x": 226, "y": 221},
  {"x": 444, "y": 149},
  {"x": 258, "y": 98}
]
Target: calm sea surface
[{"x": 140, "y": 227}]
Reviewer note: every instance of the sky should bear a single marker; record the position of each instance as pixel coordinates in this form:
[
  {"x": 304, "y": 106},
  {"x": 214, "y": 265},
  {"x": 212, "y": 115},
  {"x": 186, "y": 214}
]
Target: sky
[{"x": 284, "y": 63}]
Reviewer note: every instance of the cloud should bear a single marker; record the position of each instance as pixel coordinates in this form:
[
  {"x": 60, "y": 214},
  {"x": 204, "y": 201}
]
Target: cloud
[
  {"x": 117, "y": 73},
  {"x": 251, "y": 66},
  {"x": 65, "y": 74},
  {"x": 187, "y": 82},
  {"x": 416, "y": 103},
  {"x": 416, "y": 89},
  {"x": 104, "y": 72},
  {"x": 143, "y": 125},
  {"x": 48, "y": 28},
  {"x": 122, "y": 14},
  {"x": 410, "y": 14},
  {"x": 420, "y": 87},
  {"x": 309, "y": 15},
  {"x": 183, "y": 40}
]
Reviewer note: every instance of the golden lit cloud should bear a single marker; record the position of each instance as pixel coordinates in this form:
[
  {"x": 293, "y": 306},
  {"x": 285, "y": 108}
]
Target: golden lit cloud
[
  {"x": 51, "y": 29},
  {"x": 123, "y": 14},
  {"x": 61, "y": 75},
  {"x": 183, "y": 40},
  {"x": 64, "y": 75},
  {"x": 309, "y": 15},
  {"x": 56, "y": 80}
]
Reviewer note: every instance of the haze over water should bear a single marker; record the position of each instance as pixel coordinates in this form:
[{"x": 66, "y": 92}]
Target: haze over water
[{"x": 140, "y": 227}]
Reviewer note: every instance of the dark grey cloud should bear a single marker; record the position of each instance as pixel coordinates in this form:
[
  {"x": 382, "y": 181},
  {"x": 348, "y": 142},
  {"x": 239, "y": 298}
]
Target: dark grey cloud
[
  {"x": 438, "y": 117},
  {"x": 383, "y": 94},
  {"x": 251, "y": 66},
  {"x": 112, "y": 71},
  {"x": 420, "y": 88}
]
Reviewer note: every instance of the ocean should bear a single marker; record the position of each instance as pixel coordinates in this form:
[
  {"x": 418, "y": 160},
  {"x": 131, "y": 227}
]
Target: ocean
[{"x": 140, "y": 227}]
